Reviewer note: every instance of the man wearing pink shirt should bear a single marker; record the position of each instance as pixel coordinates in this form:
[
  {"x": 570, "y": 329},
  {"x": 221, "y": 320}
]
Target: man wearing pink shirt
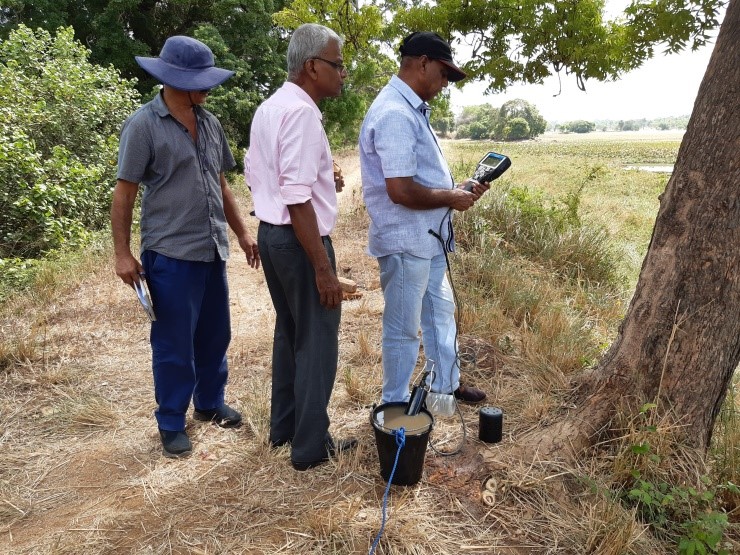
[{"x": 289, "y": 169}]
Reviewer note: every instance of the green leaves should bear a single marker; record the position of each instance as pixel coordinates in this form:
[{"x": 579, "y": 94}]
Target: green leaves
[
  {"x": 501, "y": 41},
  {"x": 527, "y": 40},
  {"x": 682, "y": 513},
  {"x": 640, "y": 448},
  {"x": 515, "y": 120},
  {"x": 59, "y": 122},
  {"x": 240, "y": 33},
  {"x": 686, "y": 514}
]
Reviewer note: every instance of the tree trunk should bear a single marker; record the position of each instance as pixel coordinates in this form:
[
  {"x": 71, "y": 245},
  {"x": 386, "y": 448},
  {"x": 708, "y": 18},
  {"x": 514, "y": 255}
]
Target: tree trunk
[{"x": 679, "y": 343}]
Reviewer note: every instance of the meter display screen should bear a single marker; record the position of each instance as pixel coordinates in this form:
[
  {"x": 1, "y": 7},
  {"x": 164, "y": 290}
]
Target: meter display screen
[
  {"x": 491, "y": 167},
  {"x": 492, "y": 159}
]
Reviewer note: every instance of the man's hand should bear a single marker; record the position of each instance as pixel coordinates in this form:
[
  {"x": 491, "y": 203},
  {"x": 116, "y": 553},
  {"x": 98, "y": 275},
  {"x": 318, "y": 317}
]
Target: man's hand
[
  {"x": 338, "y": 178},
  {"x": 234, "y": 219},
  {"x": 121, "y": 213},
  {"x": 330, "y": 290},
  {"x": 128, "y": 268},
  {"x": 477, "y": 188},
  {"x": 249, "y": 246},
  {"x": 461, "y": 200},
  {"x": 406, "y": 192},
  {"x": 303, "y": 219}
]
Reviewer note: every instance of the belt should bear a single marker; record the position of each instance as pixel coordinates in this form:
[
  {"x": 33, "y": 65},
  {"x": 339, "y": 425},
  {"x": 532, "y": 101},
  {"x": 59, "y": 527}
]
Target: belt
[{"x": 286, "y": 226}]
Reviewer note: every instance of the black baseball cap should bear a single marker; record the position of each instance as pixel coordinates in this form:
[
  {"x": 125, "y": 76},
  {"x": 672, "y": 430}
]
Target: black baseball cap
[{"x": 434, "y": 47}]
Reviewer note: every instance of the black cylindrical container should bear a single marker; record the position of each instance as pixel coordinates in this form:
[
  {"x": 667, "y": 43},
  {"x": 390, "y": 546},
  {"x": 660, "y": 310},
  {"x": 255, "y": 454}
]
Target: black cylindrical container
[
  {"x": 491, "y": 424},
  {"x": 409, "y": 463}
]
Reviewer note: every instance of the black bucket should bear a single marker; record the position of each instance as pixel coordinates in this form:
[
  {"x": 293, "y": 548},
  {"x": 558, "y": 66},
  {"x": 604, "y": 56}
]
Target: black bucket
[{"x": 411, "y": 460}]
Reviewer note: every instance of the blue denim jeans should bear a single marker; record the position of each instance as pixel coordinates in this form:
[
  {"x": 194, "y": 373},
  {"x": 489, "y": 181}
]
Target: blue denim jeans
[
  {"x": 190, "y": 336},
  {"x": 417, "y": 295}
]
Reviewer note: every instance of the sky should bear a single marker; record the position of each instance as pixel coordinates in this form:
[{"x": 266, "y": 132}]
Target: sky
[{"x": 664, "y": 86}]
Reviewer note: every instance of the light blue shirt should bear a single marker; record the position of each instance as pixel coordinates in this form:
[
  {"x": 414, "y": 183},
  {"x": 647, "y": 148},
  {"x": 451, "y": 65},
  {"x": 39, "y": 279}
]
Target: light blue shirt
[{"x": 397, "y": 141}]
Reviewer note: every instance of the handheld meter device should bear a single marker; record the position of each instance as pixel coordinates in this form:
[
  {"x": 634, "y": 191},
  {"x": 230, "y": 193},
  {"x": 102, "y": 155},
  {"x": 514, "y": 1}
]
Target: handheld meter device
[{"x": 491, "y": 166}]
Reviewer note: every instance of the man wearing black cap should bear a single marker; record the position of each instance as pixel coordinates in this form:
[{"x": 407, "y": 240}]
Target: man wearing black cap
[
  {"x": 177, "y": 152},
  {"x": 410, "y": 194}
]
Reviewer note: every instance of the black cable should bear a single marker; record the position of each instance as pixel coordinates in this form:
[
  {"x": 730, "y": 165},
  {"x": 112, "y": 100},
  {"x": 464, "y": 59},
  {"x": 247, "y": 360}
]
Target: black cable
[{"x": 446, "y": 249}]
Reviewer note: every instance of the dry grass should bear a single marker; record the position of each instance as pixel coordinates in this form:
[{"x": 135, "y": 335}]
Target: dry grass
[
  {"x": 81, "y": 470},
  {"x": 20, "y": 351},
  {"x": 554, "y": 508},
  {"x": 726, "y": 447}
]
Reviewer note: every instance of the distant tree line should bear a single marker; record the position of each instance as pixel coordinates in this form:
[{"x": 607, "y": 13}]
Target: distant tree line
[
  {"x": 578, "y": 126},
  {"x": 514, "y": 121},
  {"x": 583, "y": 126},
  {"x": 518, "y": 119}
]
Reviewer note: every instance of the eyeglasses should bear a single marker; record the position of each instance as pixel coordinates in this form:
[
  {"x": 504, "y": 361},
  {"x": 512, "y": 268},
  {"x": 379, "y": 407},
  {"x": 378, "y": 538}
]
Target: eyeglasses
[{"x": 339, "y": 67}]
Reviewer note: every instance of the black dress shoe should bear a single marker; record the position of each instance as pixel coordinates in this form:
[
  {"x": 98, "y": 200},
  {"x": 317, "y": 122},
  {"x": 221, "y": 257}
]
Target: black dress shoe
[
  {"x": 175, "y": 444},
  {"x": 306, "y": 465},
  {"x": 332, "y": 449},
  {"x": 223, "y": 416},
  {"x": 274, "y": 444},
  {"x": 471, "y": 395}
]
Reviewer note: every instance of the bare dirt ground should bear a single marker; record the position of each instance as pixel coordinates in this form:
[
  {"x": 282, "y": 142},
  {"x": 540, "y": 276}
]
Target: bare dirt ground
[{"x": 81, "y": 470}]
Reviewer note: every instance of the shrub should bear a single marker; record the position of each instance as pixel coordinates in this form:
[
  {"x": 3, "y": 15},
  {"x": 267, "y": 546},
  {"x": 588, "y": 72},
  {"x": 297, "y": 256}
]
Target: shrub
[
  {"x": 516, "y": 129},
  {"x": 551, "y": 234},
  {"x": 578, "y": 126},
  {"x": 688, "y": 514},
  {"x": 59, "y": 121}
]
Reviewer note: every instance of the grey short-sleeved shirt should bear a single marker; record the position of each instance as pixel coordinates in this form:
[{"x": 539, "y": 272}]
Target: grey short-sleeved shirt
[{"x": 182, "y": 210}]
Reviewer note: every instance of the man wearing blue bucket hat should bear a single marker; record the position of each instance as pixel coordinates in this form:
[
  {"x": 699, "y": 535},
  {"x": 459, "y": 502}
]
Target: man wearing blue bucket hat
[{"x": 178, "y": 152}]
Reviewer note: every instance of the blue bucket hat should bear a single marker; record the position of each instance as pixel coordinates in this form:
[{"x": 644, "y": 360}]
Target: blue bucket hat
[{"x": 185, "y": 64}]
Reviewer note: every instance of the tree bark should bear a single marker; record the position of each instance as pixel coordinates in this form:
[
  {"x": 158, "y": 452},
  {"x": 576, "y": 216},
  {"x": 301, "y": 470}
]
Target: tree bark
[{"x": 679, "y": 343}]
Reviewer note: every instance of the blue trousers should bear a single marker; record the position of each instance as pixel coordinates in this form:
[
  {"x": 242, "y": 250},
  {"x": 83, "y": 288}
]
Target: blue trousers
[
  {"x": 417, "y": 295},
  {"x": 190, "y": 336},
  {"x": 305, "y": 347}
]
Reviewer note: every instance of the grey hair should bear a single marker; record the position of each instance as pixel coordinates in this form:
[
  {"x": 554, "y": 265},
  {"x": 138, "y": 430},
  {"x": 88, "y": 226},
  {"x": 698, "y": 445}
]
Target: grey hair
[{"x": 308, "y": 41}]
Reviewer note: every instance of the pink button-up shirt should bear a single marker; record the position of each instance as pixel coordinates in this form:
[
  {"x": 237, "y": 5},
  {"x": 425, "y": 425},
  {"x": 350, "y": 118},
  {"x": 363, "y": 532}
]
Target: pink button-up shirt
[{"x": 289, "y": 160}]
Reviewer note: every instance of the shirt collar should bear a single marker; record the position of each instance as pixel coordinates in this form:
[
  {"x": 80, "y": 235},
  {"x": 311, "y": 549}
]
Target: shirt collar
[
  {"x": 294, "y": 89},
  {"x": 408, "y": 93},
  {"x": 160, "y": 108}
]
